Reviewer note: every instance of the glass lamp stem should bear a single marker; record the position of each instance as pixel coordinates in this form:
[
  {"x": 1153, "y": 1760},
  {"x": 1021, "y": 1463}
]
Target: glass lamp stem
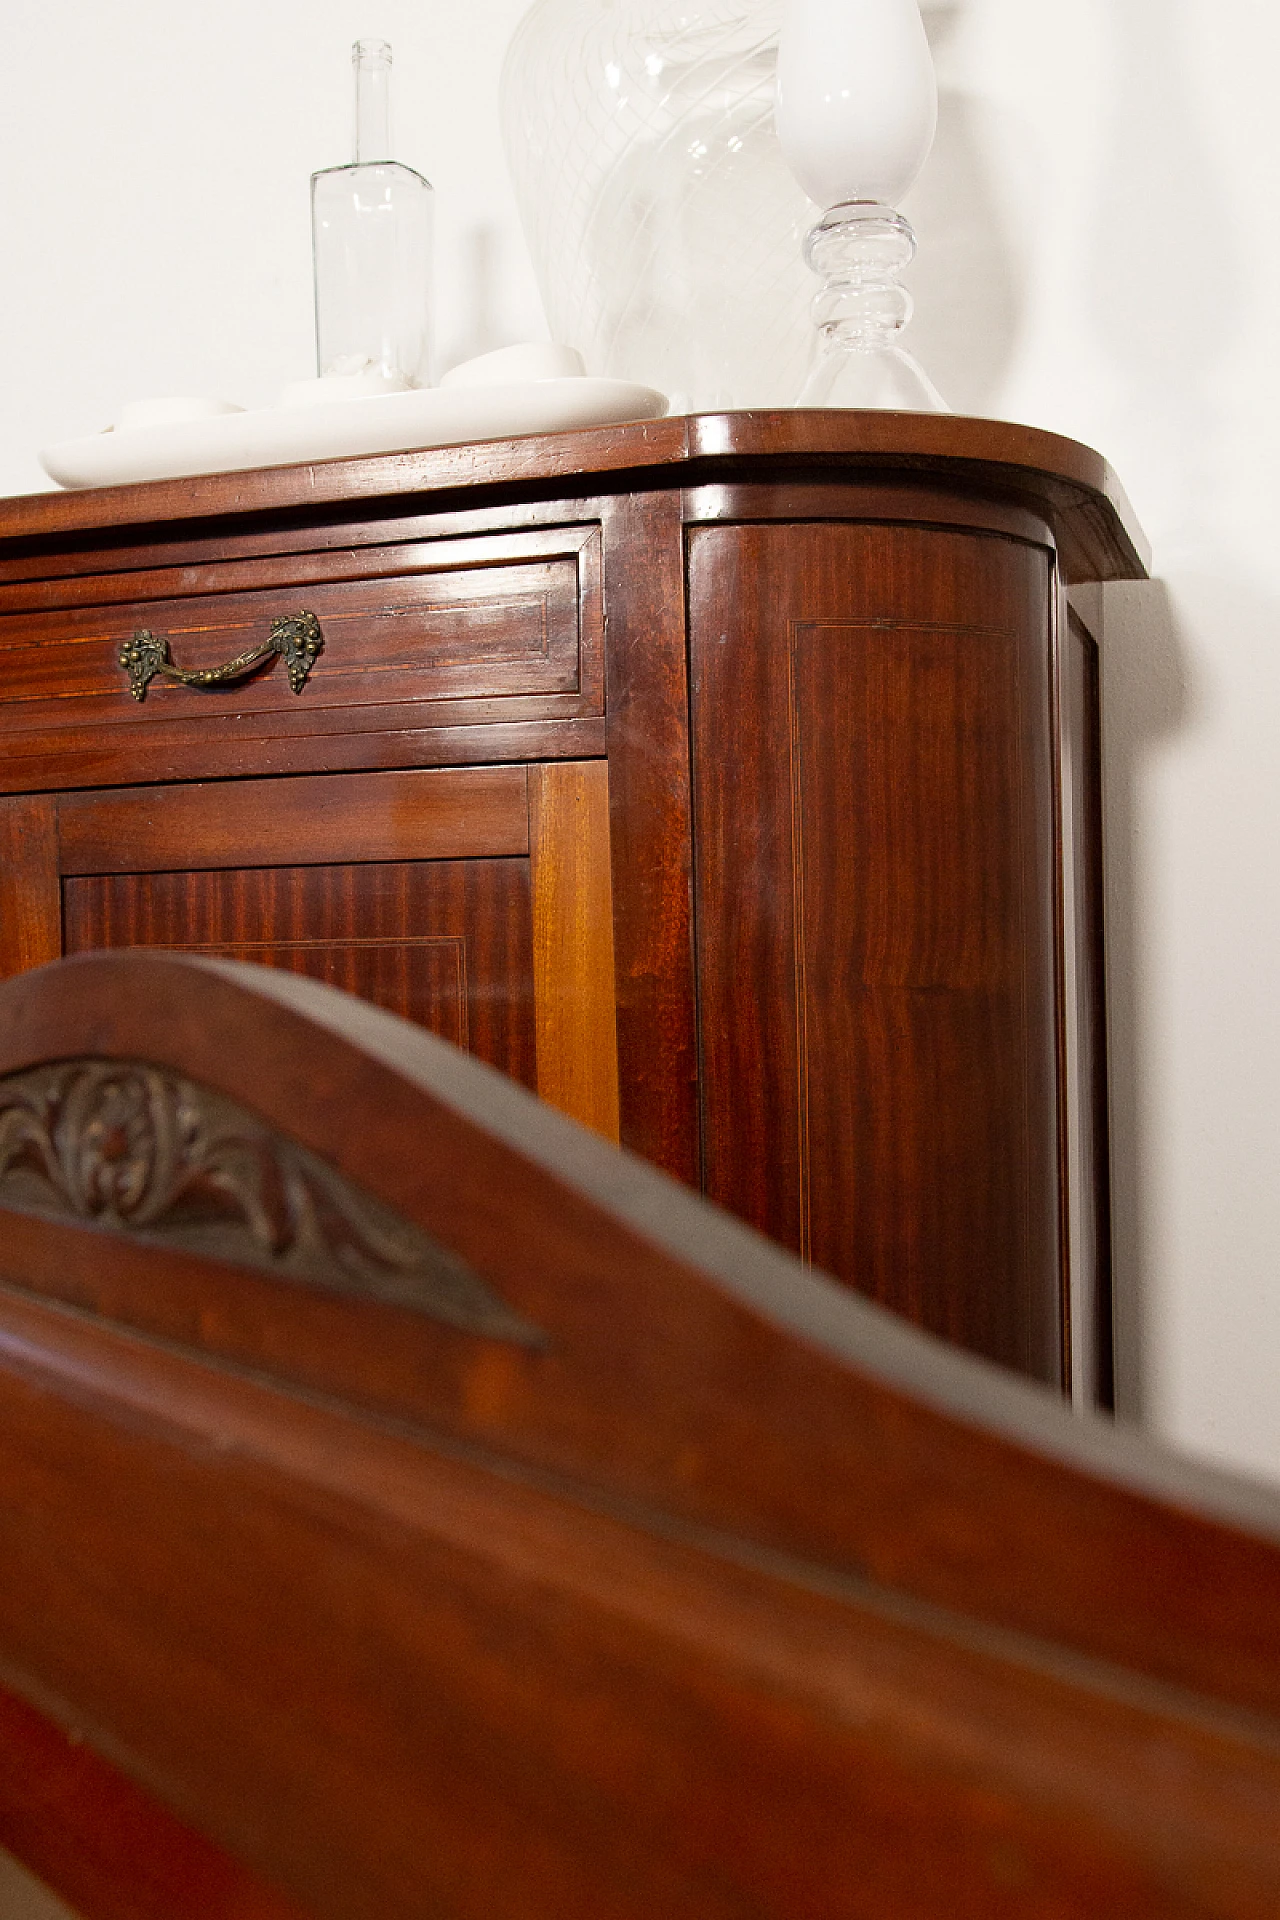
[{"x": 858, "y": 249}]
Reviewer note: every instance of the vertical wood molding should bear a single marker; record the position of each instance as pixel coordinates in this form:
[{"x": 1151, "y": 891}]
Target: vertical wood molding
[
  {"x": 575, "y": 1006},
  {"x": 30, "y": 892},
  {"x": 1086, "y": 1131},
  {"x": 651, "y": 807}
]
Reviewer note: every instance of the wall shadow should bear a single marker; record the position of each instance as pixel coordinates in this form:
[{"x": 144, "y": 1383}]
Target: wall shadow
[
  {"x": 1163, "y": 322},
  {"x": 1147, "y": 697}
]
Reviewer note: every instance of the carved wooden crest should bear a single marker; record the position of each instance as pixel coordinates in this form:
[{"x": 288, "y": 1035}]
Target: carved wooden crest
[{"x": 143, "y": 1152}]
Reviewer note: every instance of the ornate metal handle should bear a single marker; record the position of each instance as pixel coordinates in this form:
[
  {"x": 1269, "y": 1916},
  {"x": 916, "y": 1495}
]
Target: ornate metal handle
[{"x": 295, "y": 635}]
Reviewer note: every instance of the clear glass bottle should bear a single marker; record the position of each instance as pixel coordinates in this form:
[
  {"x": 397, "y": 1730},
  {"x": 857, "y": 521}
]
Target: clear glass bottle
[{"x": 371, "y": 226}]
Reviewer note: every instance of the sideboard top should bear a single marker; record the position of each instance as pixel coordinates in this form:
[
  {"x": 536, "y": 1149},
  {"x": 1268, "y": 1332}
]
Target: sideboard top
[{"x": 1097, "y": 532}]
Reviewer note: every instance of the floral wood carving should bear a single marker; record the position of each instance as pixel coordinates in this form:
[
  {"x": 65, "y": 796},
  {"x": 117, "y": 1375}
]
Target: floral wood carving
[{"x": 145, "y": 1153}]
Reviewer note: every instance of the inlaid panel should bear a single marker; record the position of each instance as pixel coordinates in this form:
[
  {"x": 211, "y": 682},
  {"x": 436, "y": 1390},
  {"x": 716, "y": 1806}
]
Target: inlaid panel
[
  {"x": 447, "y": 943},
  {"x": 875, "y": 915}
]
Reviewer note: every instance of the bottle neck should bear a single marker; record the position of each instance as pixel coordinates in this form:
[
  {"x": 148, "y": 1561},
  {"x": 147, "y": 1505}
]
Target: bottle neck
[{"x": 371, "y": 65}]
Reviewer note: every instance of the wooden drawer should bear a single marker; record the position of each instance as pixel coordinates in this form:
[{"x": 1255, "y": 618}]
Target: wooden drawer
[{"x": 417, "y": 637}]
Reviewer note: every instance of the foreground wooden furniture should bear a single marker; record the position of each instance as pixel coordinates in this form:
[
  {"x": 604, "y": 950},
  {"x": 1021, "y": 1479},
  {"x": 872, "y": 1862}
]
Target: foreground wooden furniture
[
  {"x": 731, "y": 780},
  {"x": 408, "y": 1506}
]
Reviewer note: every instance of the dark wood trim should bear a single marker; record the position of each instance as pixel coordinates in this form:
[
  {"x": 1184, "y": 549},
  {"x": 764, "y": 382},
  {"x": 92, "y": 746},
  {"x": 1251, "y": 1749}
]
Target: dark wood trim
[
  {"x": 908, "y": 501},
  {"x": 293, "y": 570},
  {"x": 104, "y": 551},
  {"x": 1081, "y": 708},
  {"x": 652, "y": 830},
  {"x": 85, "y": 762},
  {"x": 1064, "y": 1046},
  {"x": 100, "y": 1842},
  {"x": 1094, "y": 523},
  {"x": 317, "y": 820}
]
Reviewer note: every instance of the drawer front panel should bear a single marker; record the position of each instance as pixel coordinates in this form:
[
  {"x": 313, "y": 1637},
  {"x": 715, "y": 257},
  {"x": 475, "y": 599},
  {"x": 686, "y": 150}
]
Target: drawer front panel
[{"x": 426, "y": 642}]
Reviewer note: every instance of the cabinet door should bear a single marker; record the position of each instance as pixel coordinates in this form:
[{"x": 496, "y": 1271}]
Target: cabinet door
[
  {"x": 874, "y": 836},
  {"x": 475, "y": 901}
]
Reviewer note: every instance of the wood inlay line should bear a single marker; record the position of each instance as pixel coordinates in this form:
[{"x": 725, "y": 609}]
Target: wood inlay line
[{"x": 799, "y": 948}]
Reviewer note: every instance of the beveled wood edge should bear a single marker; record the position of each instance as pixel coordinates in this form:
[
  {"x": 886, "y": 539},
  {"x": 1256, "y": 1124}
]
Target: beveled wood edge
[
  {"x": 203, "y": 825},
  {"x": 137, "y": 762},
  {"x": 1075, "y": 479},
  {"x": 758, "y": 1275},
  {"x": 575, "y": 1006}
]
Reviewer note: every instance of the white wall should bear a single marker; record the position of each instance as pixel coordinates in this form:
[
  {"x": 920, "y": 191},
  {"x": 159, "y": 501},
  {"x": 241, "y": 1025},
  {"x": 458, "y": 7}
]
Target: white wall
[
  {"x": 1099, "y": 235},
  {"x": 155, "y": 224},
  {"x": 1130, "y": 156}
]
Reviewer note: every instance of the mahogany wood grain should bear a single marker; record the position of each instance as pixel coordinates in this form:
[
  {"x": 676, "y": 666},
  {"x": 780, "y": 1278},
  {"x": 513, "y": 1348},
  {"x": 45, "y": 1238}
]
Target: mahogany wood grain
[
  {"x": 865, "y": 497},
  {"x": 759, "y": 1397},
  {"x": 573, "y": 979},
  {"x": 439, "y": 574},
  {"x": 435, "y": 815},
  {"x": 735, "y": 1600},
  {"x": 456, "y": 641},
  {"x": 1093, "y": 521},
  {"x": 652, "y": 831},
  {"x": 30, "y": 903},
  {"x": 588, "y": 1719},
  {"x": 875, "y": 915},
  {"x": 471, "y": 596},
  {"x": 218, "y": 748},
  {"x": 445, "y": 943},
  {"x": 102, "y": 1843},
  {"x": 299, "y": 529}
]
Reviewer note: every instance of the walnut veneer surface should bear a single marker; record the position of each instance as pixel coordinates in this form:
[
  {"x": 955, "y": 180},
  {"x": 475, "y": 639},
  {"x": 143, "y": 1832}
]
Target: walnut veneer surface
[{"x": 732, "y": 780}]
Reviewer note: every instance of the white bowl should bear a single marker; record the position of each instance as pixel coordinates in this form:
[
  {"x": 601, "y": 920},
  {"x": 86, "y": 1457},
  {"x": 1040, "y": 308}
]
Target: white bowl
[
  {"x": 163, "y": 411},
  {"x": 375, "y": 423},
  {"x": 365, "y": 385},
  {"x": 505, "y": 366}
]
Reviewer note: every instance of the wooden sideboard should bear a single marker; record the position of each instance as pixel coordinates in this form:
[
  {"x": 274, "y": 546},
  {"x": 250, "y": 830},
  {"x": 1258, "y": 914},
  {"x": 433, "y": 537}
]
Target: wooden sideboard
[{"x": 731, "y": 780}]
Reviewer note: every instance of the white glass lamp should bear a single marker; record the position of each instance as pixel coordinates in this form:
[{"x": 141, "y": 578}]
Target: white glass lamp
[{"x": 857, "y": 107}]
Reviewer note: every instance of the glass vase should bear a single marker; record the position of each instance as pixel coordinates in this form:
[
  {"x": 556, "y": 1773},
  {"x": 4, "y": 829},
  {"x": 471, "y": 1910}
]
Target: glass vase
[{"x": 665, "y": 229}]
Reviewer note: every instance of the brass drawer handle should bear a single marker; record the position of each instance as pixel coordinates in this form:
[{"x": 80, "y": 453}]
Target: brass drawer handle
[{"x": 295, "y": 635}]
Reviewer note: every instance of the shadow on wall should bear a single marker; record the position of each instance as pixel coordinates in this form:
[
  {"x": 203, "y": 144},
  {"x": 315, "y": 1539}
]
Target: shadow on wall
[
  {"x": 965, "y": 279},
  {"x": 1146, "y": 699},
  {"x": 1164, "y": 327}
]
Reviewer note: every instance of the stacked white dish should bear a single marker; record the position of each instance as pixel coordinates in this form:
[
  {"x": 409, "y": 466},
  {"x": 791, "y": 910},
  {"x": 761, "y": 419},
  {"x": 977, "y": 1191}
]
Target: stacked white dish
[{"x": 518, "y": 390}]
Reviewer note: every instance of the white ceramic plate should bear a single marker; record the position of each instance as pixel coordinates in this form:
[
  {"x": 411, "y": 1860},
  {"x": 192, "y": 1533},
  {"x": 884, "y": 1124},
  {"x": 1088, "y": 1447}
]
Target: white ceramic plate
[{"x": 381, "y": 423}]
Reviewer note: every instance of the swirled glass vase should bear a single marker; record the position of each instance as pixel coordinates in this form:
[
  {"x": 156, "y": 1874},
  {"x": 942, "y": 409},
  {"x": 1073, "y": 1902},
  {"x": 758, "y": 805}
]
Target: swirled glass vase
[{"x": 664, "y": 227}]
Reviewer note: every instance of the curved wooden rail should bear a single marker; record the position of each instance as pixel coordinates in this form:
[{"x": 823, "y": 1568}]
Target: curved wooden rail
[
  {"x": 714, "y": 1593},
  {"x": 1075, "y": 489}
]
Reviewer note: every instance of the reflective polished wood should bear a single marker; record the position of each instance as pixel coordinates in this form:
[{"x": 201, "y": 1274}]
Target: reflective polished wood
[
  {"x": 624, "y": 1569},
  {"x": 811, "y": 916}
]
